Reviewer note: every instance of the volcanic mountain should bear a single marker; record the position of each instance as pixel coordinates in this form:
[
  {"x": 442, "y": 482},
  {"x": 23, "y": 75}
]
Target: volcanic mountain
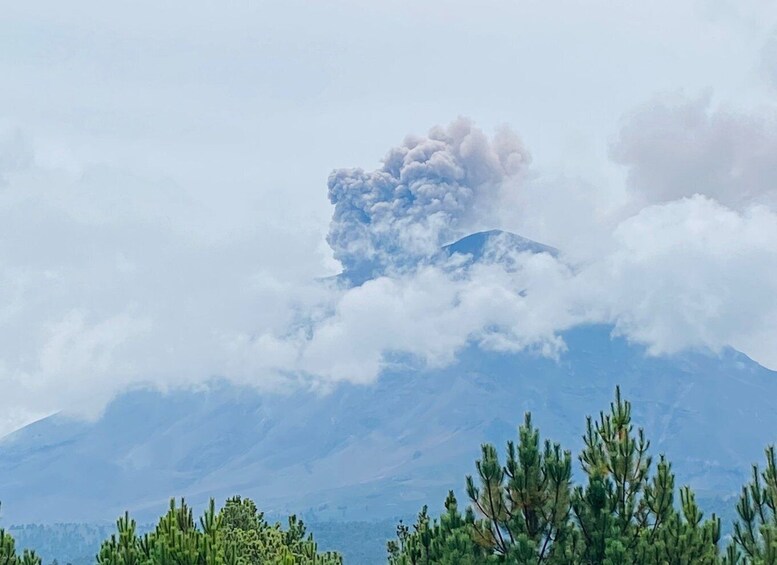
[{"x": 383, "y": 450}]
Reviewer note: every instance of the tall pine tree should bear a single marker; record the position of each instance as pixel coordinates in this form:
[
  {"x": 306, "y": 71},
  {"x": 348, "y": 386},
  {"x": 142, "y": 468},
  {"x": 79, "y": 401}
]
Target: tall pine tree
[{"x": 527, "y": 511}]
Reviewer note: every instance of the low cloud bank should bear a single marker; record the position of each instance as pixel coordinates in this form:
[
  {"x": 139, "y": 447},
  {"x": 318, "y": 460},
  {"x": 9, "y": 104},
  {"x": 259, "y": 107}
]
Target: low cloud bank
[{"x": 109, "y": 282}]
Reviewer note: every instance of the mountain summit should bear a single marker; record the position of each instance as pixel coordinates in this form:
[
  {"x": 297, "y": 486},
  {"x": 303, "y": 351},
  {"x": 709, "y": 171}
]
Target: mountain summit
[
  {"x": 478, "y": 246},
  {"x": 478, "y": 243}
]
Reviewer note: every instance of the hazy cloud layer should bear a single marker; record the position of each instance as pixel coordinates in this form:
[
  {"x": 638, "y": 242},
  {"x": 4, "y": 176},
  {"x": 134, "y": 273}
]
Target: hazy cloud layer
[
  {"x": 110, "y": 279},
  {"x": 163, "y": 187},
  {"x": 108, "y": 282}
]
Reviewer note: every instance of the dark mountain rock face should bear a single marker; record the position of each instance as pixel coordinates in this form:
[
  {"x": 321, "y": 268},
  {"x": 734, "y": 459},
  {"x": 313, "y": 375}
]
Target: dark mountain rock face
[{"x": 478, "y": 243}]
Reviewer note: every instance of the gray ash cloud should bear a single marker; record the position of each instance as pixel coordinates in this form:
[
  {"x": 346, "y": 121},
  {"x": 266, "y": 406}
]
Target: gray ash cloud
[{"x": 428, "y": 190}]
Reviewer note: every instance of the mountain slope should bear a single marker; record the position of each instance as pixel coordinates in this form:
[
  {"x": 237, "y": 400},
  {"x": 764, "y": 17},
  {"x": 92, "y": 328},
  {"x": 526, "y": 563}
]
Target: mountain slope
[{"x": 369, "y": 452}]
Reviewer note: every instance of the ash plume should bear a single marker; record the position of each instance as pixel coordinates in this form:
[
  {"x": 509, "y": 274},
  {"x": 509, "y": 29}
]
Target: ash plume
[{"x": 428, "y": 190}]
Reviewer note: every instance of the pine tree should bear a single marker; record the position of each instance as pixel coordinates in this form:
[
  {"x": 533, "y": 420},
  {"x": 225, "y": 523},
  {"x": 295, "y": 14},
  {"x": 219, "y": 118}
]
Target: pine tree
[
  {"x": 624, "y": 514},
  {"x": 524, "y": 505},
  {"x": 755, "y": 532},
  {"x": 528, "y": 512},
  {"x": 447, "y": 541},
  {"x": 236, "y": 535}
]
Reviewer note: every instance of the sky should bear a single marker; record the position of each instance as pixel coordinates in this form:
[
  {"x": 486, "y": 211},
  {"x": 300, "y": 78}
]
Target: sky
[{"x": 177, "y": 179}]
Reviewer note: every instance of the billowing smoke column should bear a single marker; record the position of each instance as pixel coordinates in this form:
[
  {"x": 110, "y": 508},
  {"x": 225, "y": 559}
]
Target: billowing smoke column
[{"x": 428, "y": 191}]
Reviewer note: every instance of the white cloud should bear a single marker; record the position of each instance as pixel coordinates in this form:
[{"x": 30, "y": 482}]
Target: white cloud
[
  {"x": 692, "y": 273},
  {"x": 433, "y": 312},
  {"x": 109, "y": 279}
]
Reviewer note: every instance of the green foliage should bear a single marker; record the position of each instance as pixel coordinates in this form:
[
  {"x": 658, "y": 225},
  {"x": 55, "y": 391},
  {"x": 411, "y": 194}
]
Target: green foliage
[
  {"x": 255, "y": 541},
  {"x": 8, "y": 555},
  {"x": 360, "y": 543},
  {"x": 237, "y": 535},
  {"x": 445, "y": 541},
  {"x": 527, "y": 510},
  {"x": 755, "y": 532},
  {"x": 624, "y": 513}
]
